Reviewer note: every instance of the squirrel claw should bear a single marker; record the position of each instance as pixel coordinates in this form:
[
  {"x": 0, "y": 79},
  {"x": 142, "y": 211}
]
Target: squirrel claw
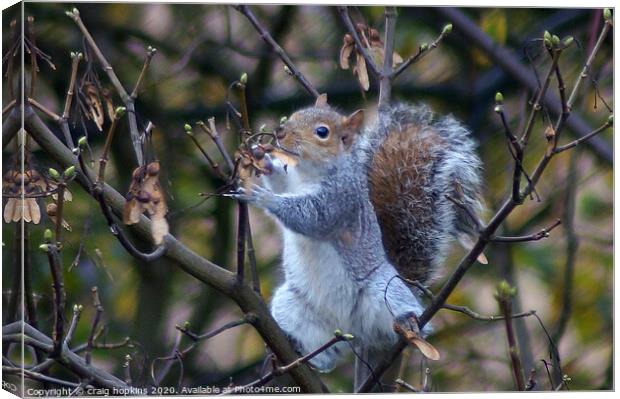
[
  {"x": 407, "y": 327},
  {"x": 258, "y": 195}
]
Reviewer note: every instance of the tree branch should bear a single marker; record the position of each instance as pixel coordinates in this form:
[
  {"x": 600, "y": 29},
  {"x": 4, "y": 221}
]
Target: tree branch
[
  {"x": 192, "y": 263},
  {"x": 264, "y": 34}
]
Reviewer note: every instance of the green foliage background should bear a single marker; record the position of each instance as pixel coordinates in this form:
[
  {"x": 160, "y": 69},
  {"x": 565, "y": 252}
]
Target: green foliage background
[{"x": 201, "y": 50}]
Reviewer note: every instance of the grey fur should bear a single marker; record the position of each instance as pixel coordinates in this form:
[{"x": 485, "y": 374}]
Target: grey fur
[{"x": 337, "y": 273}]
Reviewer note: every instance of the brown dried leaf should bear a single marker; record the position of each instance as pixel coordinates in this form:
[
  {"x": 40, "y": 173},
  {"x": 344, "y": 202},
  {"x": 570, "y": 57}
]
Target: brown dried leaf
[
  {"x": 109, "y": 104},
  {"x": 362, "y": 72},
  {"x": 94, "y": 104},
  {"x": 345, "y": 54}
]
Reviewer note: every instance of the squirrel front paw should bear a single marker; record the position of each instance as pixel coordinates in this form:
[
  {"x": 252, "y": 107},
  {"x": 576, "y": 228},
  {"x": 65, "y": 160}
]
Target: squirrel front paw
[{"x": 256, "y": 195}]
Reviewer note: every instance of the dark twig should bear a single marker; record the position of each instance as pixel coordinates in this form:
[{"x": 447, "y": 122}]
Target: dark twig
[
  {"x": 544, "y": 233},
  {"x": 93, "y": 328},
  {"x": 75, "y": 61},
  {"x": 248, "y": 319},
  {"x": 580, "y": 140},
  {"x": 406, "y": 385},
  {"x": 572, "y": 245},
  {"x": 422, "y": 52},
  {"x": 59, "y": 296},
  {"x": 150, "y": 52},
  {"x": 77, "y": 311},
  {"x": 214, "y": 165},
  {"x": 264, "y": 34},
  {"x": 464, "y": 309},
  {"x": 277, "y": 371},
  {"x": 385, "y": 82},
  {"x": 504, "y": 298}
]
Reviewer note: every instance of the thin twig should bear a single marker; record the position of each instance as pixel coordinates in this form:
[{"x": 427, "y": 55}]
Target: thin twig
[
  {"x": 91, "y": 335},
  {"x": 465, "y": 310},
  {"x": 150, "y": 52},
  {"x": 264, "y": 34},
  {"x": 406, "y": 385},
  {"x": 34, "y": 68},
  {"x": 544, "y": 233},
  {"x": 580, "y": 140},
  {"x": 194, "y": 337},
  {"x": 55, "y": 117},
  {"x": 385, "y": 82},
  {"x": 277, "y": 371},
  {"x": 505, "y": 304},
  {"x": 422, "y": 52},
  {"x": 59, "y": 298},
  {"x": 214, "y": 165},
  {"x": 75, "y": 61},
  {"x": 539, "y": 99}
]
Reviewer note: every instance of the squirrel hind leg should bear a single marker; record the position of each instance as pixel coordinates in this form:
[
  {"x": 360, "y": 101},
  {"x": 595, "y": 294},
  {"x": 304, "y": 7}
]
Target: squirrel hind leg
[{"x": 304, "y": 327}]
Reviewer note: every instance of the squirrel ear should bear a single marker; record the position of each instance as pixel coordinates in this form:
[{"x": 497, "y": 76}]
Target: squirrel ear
[
  {"x": 355, "y": 120},
  {"x": 321, "y": 100}
]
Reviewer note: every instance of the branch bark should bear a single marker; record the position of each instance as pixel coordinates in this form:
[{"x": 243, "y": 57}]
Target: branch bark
[{"x": 189, "y": 261}]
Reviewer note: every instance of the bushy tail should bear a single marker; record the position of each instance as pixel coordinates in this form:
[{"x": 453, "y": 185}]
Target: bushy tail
[{"x": 415, "y": 161}]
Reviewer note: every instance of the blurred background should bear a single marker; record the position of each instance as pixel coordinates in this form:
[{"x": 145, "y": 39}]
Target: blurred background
[{"x": 204, "y": 48}]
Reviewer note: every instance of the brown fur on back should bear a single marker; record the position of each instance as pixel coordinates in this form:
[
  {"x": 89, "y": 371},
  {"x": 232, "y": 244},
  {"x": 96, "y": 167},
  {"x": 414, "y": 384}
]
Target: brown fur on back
[{"x": 400, "y": 191}]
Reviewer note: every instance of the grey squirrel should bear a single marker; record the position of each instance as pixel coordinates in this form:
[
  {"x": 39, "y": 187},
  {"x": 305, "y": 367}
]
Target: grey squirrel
[{"x": 360, "y": 209}]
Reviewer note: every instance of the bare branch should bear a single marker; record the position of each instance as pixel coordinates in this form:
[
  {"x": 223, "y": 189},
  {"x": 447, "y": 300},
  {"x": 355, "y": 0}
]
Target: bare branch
[
  {"x": 385, "y": 82},
  {"x": 580, "y": 140},
  {"x": 195, "y": 265},
  {"x": 544, "y": 233},
  {"x": 422, "y": 52},
  {"x": 264, "y": 34},
  {"x": 150, "y": 52}
]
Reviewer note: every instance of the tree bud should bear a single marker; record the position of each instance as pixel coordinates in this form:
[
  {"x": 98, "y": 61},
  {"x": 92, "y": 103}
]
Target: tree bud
[
  {"x": 69, "y": 172},
  {"x": 53, "y": 173}
]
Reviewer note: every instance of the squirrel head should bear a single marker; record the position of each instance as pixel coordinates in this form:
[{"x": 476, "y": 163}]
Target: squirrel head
[{"x": 319, "y": 133}]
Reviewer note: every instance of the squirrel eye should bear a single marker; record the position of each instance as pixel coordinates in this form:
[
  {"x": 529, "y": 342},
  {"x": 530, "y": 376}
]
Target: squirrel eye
[{"x": 322, "y": 132}]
